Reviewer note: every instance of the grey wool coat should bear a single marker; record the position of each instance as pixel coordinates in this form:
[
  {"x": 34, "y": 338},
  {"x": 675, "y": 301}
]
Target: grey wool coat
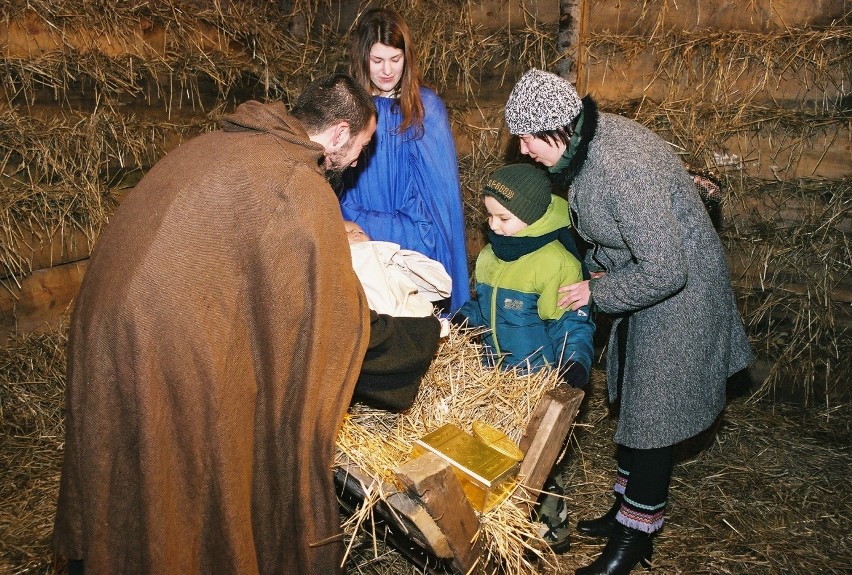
[{"x": 666, "y": 271}]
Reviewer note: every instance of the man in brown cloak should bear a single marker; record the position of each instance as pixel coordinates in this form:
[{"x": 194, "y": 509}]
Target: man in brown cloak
[{"x": 215, "y": 345}]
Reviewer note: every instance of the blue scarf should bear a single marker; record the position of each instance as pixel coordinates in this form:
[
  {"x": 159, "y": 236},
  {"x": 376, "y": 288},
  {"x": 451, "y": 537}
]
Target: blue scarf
[{"x": 511, "y": 248}]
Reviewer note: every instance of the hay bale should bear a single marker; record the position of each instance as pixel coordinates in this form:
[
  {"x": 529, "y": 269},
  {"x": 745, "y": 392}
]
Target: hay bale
[{"x": 32, "y": 434}]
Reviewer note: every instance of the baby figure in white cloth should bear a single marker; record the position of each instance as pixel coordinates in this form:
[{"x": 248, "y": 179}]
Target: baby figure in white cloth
[{"x": 397, "y": 282}]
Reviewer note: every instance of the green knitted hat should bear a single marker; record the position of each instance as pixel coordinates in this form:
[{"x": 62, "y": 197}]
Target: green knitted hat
[{"x": 522, "y": 189}]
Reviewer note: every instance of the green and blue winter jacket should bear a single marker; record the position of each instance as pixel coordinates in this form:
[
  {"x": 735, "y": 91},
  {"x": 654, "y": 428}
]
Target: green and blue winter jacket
[{"x": 517, "y": 299}]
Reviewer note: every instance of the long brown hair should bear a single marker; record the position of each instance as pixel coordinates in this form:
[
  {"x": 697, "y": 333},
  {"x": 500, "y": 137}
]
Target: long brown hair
[{"x": 387, "y": 27}]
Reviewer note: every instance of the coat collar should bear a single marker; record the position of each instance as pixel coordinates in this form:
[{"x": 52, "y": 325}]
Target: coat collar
[{"x": 578, "y": 150}]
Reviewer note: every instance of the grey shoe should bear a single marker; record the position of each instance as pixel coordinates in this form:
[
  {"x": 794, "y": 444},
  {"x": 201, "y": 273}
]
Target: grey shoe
[{"x": 552, "y": 512}]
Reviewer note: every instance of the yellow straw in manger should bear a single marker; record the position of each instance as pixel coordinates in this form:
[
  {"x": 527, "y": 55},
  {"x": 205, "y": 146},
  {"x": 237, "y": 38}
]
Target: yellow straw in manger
[{"x": 460, "y": 390}]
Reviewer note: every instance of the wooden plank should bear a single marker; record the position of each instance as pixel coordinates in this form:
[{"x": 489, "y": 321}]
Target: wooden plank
[
  {"x": 749, "y": 272},
  {"x": 786, "y": 211},
  {"x": 494, "y": 15},
  {"x": 611, "y": 74},
  {"x": 41, "y": 301},
  {"x": 33, "y": 34},
  {"x": 543, "y": 440},
  {"x": 824, "y": 153},
  {"x": 433, "y": 482}
]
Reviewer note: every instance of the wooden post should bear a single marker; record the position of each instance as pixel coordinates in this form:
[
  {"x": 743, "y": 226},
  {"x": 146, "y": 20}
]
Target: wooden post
[{"x": 569, "y": 42}]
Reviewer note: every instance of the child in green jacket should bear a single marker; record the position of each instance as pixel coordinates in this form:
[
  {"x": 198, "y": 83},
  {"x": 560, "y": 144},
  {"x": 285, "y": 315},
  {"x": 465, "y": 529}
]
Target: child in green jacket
[
  {"x": 517, "y": 280},
  {"x": 518, "y": 275}
]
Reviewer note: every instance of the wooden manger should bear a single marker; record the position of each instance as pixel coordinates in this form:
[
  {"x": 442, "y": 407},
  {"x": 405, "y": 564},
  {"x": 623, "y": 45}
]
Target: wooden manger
[{"x": 425, "y": 514}]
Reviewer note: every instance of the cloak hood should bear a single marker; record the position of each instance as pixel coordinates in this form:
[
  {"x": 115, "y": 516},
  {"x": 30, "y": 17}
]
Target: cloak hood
[{"x": 272, "y": 119}]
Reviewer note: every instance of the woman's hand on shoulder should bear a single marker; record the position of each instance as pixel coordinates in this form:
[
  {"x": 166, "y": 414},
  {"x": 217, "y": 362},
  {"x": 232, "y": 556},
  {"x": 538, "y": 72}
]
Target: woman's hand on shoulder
[{"x": 574, "y": 296}]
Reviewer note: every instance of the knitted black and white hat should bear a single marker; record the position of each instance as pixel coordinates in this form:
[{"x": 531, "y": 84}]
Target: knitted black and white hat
[{"x": 541, "y": 101}]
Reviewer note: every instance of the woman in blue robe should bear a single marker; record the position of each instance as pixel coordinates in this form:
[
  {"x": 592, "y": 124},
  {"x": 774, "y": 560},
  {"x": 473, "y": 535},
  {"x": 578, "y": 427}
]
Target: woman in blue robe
[{"x": 406, "y": 190}]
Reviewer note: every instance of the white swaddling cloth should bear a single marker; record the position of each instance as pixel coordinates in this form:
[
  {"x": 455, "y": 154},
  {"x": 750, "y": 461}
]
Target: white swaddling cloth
[{"x": 399, "y": 282}]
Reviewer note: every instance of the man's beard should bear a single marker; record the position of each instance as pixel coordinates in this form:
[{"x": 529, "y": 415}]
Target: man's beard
[
  {"x": 335, "y": 169},
  {"x": 334, "y": 178}
]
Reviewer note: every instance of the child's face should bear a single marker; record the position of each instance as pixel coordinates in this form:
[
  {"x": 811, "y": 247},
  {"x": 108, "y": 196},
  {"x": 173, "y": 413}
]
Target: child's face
[
  {"x": 354, "y": 233},
  {"x": 501, "y": 221}
]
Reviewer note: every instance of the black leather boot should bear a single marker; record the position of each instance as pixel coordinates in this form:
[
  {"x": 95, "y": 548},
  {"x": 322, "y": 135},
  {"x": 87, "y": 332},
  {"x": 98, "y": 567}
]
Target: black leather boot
[
  {"x": 626, "y": 547},
  {"x": 601, "y": 526}
]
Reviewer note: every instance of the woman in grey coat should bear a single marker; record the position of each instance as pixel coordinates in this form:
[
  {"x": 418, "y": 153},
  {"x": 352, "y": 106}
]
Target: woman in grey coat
[{"x": 660, "y": 271}]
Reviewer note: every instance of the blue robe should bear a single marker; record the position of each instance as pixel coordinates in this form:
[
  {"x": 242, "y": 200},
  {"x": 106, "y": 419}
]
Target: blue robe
[{"x": 406, "y": 190}]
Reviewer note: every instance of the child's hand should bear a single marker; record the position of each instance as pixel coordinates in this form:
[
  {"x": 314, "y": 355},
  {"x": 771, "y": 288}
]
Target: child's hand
[{"x": 574, "y": 296}]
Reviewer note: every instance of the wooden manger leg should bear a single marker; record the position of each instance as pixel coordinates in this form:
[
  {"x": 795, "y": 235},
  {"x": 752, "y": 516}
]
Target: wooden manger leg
[
  {"x": 399, "y": 520},
  {"x": 432, "y": 480},
  {"x": 543, "y": 440}
]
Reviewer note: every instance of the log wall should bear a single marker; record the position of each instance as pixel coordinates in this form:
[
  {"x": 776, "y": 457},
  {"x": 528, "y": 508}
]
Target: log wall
[{"x": 757, "y": 90}]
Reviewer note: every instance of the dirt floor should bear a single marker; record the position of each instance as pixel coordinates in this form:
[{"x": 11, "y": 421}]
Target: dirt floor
[{"x": 766, "y": 491}]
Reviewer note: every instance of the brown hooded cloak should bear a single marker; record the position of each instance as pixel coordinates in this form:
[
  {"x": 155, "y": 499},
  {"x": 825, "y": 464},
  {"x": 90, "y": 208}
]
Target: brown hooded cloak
[{"x": 214, "y": 347}]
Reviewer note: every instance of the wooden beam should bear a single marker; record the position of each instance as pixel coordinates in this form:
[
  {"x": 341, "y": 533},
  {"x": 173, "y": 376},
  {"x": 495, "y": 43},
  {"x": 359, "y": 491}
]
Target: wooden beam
[{"x": 41, "y": 301}]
